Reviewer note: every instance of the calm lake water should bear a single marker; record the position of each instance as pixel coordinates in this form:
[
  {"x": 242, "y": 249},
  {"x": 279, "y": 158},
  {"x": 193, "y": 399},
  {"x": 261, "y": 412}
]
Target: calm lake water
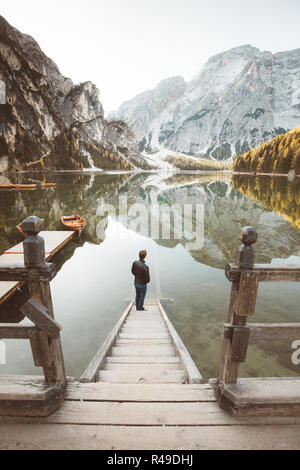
[{"x": 94, "y": 283}]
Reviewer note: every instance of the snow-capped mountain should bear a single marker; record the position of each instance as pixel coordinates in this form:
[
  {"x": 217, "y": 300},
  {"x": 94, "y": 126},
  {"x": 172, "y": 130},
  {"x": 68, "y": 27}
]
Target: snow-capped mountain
[{"x": 239, "y": 99}]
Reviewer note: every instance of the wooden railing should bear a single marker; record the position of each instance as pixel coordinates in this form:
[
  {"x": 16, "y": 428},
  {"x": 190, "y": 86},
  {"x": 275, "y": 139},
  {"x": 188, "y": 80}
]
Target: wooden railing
[
  {"x": 245, "y": 277},
  {"x": 44, "y": 335}
]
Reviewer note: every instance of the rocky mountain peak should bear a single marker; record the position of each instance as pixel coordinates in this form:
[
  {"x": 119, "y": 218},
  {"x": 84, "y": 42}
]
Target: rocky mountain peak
[
  {"x": 238, "y": 99},
  {"x": 46, "y": 115}
]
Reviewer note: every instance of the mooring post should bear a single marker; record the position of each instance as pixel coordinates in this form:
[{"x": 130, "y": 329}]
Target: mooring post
[
  {"x": 242, "y": 303},
  {"x": 47, "y": 351}
]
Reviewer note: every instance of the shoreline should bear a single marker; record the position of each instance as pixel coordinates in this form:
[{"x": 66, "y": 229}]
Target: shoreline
[
  {"x": 113, "y": 172},
  {"x": 252, "y": 173}
]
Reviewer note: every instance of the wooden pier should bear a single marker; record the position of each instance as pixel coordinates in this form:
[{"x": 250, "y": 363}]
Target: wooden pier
[
  {"x": 54, "y": 242},
  {"x": 142, "y": 389}
]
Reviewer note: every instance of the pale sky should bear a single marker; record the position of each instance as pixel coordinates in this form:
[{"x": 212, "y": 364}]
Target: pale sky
[{"x": 128, "y": 46}]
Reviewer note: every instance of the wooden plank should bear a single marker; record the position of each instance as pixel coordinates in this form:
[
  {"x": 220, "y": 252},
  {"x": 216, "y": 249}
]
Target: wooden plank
[
  {"x": 193, "y": 373},
  {"x": 38, "y": 314},
  {"x": 40, "y": 347},
  {"x": 134, "y": 366},
  {"x": 261, "y": 398},
  {"x": 269, "y": 391},
  {"x": 274, "y": 330},
  {"x": 248, "y": 287},
  {"x": 143, "y": 359},
  {"x": 239, "y": 344},
  {"x": 142, "y": 332},
  {"x": 143, "y": 351},
  {"x": 141, "y": 393},
  {"x": 267, "y": 272},
  {"x": 145, "y": 336},
  {"x": 142, "y": 376},
  {"x": 96, "y": 363},
  {"x": 21, "y": 396},
  {"x": 151, "y": 414},
  {"x": 93, "y": 437},
  {"x": 15, "y": 331},
  {"x": 267, "y": 330},
  {"x": 143, "y": 341},
  {"x": 17, "y": 272}
]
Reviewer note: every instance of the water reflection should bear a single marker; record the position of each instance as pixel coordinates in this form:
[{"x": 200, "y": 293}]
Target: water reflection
[
  {"x": 277, "y": 194},
  {"x": 94, "y": 280}
]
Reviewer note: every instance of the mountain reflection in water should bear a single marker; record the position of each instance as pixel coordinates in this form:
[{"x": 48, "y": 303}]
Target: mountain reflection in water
[{"x": 94, "y": 280}]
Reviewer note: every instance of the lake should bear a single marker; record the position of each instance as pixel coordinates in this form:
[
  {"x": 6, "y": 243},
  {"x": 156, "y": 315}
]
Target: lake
[{"x": 189, "y": 225}]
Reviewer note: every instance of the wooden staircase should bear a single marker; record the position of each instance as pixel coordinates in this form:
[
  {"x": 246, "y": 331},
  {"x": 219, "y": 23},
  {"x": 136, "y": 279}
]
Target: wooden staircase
[{"x": 143, "y": 352}]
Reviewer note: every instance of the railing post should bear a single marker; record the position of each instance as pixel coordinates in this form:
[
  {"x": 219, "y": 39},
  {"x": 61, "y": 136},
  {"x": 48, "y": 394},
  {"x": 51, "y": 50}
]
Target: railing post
[
  {"x": 242, "y": 303},
  {"x": 47, "y": 351}
]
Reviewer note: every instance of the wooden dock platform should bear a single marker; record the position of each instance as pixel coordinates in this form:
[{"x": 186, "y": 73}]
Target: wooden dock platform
[
  {"x": 114, "y": 416},
  {"x": 54, "y": 242}
]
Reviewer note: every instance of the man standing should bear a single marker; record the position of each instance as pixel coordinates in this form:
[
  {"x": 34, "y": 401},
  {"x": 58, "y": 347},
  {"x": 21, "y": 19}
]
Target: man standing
[{"x": 141, "y": 278}]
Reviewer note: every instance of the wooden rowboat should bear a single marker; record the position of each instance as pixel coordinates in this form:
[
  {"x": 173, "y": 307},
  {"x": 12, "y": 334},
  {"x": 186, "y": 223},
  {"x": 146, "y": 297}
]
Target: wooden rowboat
[{"x": 74, "y": 222}]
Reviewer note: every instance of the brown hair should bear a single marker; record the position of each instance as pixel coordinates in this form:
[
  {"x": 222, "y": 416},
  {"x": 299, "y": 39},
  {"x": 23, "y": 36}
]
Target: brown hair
[{"x": 142, "y": 254}]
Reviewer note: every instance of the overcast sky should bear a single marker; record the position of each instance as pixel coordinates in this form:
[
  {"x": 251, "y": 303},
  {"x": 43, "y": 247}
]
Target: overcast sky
[{"x": 128, "y": 46}]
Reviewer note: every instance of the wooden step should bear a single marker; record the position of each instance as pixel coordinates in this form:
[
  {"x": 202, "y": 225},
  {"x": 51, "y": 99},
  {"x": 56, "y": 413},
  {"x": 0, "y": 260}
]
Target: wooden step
[
  {"x": 134, "y": 366},
  {"x": 143, "y": 393},
  {"x": 144, "y": 316},
  {"x": 143, "y": 331},
  {"x": 143, "y": 341},
  {"x": 147, "y": 323},
  {"x": 154, "y": 414},
  {"x": 143, "y": 351},
  {"x": 145, "y": 336},
  {"x": 142, "y": 376},
  {"x": 143, "y": 359}
]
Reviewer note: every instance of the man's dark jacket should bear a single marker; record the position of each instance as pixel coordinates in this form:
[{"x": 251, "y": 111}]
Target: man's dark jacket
[{"x": 141, "y": 272}]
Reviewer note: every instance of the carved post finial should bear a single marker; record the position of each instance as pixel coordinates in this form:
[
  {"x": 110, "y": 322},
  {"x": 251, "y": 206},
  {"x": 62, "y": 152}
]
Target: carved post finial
[
  {"x": 34, "y": 246},
  {"x": 245, "y": 255}
]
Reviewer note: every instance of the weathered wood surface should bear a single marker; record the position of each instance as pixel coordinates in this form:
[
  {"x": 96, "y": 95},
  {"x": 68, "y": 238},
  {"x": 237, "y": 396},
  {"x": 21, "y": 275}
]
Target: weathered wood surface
[
  {"x": 142, "y": 393},
  {"x": 46, "y": 347},
  {"x": 149, "y": 414},
  {"x": 93, "y": 437},
  {"x": 143, "y": 348},
  {"x": 239, "y": 344},
  {"x": 266, "y": 331},
  {"x": 270, "y": 397},
  {"x": 40, "y": 348},
  {"x": 193, "y": 373},
  {"x": 267, "y": 272},
  {"x": 143, "y": 375},
  {"x": 15, "y": 331},
  {"x": 90, "y": 373},
  {"x": 29, "y": 396},
  {"x": 54, "y": 242},
  {"x": 17, "y": 272},
  {"x": 146, "y": 416},
  {"x": 38, "y": 314},
  {"x": 247, "y": 293},
  {"x": 267, "y": 390}
]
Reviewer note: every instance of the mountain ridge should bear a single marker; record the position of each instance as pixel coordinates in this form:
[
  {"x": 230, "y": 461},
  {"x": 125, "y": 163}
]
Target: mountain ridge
[{"x": 238, "y": 99}]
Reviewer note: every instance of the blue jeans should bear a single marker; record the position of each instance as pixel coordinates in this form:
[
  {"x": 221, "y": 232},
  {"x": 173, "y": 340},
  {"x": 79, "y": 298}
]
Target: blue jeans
[{"x": 140, "y": 295}]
